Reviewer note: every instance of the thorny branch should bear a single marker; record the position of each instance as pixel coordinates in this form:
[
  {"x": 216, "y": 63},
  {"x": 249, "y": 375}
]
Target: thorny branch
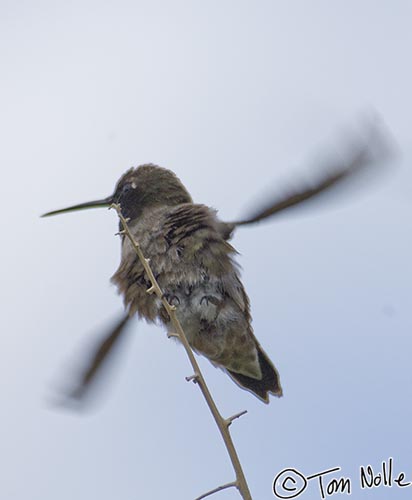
[{"x": 197, "y": 377}]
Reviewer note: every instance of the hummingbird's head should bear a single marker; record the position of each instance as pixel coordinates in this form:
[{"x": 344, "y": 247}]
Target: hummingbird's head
[
  {"x": 137, "y": 189},
  {"x": 148, "y": 186}
]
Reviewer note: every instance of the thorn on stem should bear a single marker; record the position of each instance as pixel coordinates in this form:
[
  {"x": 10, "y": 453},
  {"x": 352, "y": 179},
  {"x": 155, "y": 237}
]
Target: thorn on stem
[
  {"x": 193, "y": 378},
  {"x": 151, "y": 290},
  {"x": 229, "y": 420}
]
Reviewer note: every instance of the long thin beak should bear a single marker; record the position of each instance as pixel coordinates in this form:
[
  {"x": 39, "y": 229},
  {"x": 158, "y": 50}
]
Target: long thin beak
[{"x": 105, "y": 202}]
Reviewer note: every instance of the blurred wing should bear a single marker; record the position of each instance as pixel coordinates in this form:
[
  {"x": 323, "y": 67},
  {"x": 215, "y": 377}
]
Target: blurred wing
[
  {"x": 99, "y": 359},
  {"x": 373, "y": 151},
  {"x": 304, "y": 193}
]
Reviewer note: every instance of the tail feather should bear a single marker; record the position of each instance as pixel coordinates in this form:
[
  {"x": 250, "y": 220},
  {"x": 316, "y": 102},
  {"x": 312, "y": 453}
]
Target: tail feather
[{"x": 269, "y": 383}]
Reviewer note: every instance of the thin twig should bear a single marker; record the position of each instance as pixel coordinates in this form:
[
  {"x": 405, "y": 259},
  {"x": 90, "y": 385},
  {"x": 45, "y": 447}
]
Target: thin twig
[
  {"x": 216, "y": 490},
  {"x": 222, "y": 424}
]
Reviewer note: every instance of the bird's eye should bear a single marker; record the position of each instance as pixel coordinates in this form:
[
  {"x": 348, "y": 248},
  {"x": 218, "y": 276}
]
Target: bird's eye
[{"x": 126, "y": 188}]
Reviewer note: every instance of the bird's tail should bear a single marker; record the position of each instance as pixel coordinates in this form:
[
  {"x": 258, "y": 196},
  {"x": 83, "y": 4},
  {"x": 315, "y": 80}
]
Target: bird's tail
[{"x": 269, "y": 383}]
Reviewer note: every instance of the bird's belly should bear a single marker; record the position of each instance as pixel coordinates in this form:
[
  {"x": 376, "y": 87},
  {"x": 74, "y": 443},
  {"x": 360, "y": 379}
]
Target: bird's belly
[
  {"x": 198, "y": 310},
  {"x": 207, "y": 318},
  {"x": 208, "y": 306}
]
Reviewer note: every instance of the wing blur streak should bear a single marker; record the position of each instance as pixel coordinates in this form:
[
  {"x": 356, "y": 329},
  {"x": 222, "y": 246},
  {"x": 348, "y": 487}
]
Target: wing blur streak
[
  {"x": 376, "y": 149},
  {"x": 98, "y": 359}
]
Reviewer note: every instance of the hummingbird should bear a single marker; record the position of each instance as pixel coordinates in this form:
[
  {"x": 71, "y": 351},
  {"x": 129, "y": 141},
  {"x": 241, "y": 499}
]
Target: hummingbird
[{"x": 195, "y": 265}]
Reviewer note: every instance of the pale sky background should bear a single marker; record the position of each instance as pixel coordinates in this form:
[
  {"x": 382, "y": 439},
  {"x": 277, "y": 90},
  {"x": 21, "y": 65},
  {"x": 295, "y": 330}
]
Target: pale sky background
[{"x": 235, "y": 97}]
